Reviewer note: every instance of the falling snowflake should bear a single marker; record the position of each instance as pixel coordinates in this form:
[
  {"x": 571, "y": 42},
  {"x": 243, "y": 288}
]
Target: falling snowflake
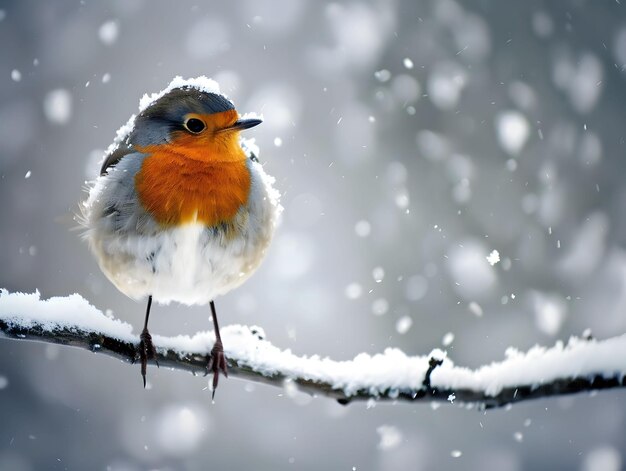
[
  {"x": 390, "y": 437},
  {"x": 493, "y": 257},
  {"x": 447, "y": 339}
]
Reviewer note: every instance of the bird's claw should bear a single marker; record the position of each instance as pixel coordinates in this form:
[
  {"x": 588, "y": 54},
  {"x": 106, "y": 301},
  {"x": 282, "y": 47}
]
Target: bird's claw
[
  {"x": 146, "y": 352},
  {"x": 217, "y": 363}
]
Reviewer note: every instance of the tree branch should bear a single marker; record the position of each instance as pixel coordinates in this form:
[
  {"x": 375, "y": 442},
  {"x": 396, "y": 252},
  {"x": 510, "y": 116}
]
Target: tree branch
[{"x": 581, "y": 365}]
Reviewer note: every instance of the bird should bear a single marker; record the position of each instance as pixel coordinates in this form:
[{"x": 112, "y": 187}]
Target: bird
[{"x": 182, "y": 210}]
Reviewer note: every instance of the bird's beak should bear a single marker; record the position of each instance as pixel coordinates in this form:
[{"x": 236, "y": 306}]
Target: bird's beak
[{"x": 242, "y": 124}]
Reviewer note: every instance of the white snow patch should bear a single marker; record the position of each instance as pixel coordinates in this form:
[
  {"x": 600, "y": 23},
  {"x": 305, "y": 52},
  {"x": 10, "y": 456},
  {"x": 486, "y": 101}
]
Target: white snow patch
[
  {"x": 577, "y": 358},
  {"x": 408, "y": 63},
  {"x": 202, "y": 83},
  {"x": 27, "y": 310},
  {"x": 390, "y": 370},
  {"x": 241, "y": 343},
  {"x": 16, "y": 75},
  {"x": 245, "y": 344},
  {"x": 4, "y": 382},
  {"x": 456, "y": 453},
  {"x": 447, "y": 339}
]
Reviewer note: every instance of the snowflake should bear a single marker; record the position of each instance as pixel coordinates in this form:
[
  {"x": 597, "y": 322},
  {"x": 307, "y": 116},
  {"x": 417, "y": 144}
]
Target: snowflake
[{"x": 493, "y": 257}]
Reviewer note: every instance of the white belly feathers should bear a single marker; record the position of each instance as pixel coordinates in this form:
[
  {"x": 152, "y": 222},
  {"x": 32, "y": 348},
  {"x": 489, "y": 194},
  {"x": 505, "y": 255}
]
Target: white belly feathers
[
  {"x": 190, "y": 264},
  {"x": 185, "y": 264}
]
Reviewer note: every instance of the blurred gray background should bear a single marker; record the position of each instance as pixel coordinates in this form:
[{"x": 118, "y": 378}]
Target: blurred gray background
[{"x": 409, "y": 140}]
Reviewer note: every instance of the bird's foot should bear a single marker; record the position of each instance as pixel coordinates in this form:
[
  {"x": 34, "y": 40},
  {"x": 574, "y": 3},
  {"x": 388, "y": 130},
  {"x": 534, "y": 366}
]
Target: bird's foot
[
  {"x": 146, "y": 352},
  {"x": 217, "y": 363}
]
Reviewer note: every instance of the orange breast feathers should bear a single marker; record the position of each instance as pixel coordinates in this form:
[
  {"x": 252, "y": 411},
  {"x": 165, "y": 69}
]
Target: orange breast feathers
[{"x": 194, "y": 179}]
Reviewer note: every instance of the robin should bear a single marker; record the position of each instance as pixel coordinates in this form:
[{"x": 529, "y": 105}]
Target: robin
[{"x": 182, "y": 210}]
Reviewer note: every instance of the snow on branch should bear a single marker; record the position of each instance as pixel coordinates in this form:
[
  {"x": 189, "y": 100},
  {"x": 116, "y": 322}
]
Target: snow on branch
[{"x": 579, "y": 365}]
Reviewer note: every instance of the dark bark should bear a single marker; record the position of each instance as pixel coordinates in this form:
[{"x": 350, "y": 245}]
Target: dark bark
[{"x": 195, "y": 362}]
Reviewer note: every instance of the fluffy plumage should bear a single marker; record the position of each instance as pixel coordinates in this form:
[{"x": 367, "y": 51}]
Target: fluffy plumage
[{"x": 170, "y": 216}]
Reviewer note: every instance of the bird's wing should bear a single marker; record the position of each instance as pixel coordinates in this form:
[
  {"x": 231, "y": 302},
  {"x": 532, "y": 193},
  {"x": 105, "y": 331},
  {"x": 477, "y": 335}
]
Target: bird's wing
[
  {"x": 115, "y": 207},
  {"x": 114, "y": 157}
]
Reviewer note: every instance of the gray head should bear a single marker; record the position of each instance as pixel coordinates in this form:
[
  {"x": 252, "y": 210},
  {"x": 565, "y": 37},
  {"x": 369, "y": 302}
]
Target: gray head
[{"x": 186, "y": 110}]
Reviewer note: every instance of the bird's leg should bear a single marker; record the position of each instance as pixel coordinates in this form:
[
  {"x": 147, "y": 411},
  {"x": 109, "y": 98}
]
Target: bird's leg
[
  {"x": 146, "y": 347},
  {"x": 217, "y": 361}
]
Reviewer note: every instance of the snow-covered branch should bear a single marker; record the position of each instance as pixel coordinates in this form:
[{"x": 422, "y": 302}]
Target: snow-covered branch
[{"x": 580, "y": 365}]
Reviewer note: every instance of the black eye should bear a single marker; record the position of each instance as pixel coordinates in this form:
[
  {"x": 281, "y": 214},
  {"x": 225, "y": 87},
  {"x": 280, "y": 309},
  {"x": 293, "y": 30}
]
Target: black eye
[{"x": 194, "y": 125}]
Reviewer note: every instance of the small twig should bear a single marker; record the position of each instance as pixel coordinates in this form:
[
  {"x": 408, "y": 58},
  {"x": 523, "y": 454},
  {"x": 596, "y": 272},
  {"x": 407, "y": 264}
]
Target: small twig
[{"x": 432, "y": 364}]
